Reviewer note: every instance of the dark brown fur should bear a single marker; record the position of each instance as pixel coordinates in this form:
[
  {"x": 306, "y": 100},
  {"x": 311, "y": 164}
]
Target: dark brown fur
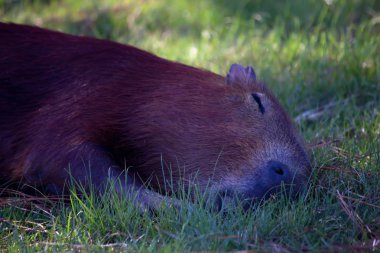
[{"x": 78, "y": 104}]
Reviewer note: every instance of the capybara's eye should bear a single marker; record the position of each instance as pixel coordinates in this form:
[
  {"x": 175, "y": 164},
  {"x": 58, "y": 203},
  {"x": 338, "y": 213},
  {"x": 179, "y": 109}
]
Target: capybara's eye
[{"x": 257, "y": 99}]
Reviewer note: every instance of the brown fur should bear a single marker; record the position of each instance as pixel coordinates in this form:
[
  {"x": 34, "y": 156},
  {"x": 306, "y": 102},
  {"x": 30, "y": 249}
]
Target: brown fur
[{"x": 71, "y": 103}]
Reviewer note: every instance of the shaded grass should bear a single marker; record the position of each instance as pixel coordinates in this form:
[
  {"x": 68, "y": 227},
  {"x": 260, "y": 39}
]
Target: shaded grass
[{"x": 310, "y": 53}]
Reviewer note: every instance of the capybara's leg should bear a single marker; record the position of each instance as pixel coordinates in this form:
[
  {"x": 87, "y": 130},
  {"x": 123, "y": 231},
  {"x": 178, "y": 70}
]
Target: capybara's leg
[{"x": 90, "y": 165}]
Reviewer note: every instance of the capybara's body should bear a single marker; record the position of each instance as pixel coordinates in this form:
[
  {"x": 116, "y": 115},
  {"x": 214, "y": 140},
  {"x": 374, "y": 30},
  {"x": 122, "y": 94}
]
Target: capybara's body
[{"x": 81, "y": 106}]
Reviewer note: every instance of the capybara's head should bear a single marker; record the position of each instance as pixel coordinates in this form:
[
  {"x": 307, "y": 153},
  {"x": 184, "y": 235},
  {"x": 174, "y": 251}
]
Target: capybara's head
[{"x": 231, "y": 132}]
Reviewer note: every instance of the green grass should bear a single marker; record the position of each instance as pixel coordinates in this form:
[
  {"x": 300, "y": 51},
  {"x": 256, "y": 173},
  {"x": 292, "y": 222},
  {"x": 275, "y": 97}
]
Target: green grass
[{"x": 311, "y": 53}]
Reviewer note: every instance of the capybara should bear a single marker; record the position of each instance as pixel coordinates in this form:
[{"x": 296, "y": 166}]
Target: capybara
[{"x": 93, "y": 110}]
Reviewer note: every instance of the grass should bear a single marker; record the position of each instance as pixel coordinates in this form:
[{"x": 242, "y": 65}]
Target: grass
[{"x": 321, "y": 58}]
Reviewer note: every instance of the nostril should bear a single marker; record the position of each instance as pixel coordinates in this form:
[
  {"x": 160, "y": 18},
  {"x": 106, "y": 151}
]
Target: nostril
[{"x": 279, "y": 171}]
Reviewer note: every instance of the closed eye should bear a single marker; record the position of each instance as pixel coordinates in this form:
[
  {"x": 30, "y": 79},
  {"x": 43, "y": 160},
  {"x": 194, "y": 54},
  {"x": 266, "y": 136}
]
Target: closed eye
[{"x": 258, "y": 101}]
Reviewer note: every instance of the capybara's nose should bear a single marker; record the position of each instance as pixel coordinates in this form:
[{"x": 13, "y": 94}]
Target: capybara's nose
[
  {"x": 272, "y": 178},
  {"x": 275, "y": 176},
  {"x": 277, "y": 173}
]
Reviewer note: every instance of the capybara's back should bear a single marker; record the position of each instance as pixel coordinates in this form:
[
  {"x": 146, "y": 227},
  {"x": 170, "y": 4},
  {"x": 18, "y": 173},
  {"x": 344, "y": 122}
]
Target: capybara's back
[{"x": 86, "y": 108}]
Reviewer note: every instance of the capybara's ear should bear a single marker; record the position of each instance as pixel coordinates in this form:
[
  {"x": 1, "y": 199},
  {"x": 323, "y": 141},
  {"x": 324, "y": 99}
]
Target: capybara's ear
[{"x": 241, "y": 74}]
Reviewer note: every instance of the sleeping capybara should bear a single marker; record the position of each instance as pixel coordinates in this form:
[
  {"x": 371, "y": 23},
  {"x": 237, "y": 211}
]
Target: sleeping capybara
[{"x": 88, "y": 109}]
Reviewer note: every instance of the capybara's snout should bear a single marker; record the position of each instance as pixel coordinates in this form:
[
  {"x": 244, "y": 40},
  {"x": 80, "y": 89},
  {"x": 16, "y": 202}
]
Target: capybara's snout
[
  {"x": 276, "y": 177},
  {"x": 272, "y": 178}
]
